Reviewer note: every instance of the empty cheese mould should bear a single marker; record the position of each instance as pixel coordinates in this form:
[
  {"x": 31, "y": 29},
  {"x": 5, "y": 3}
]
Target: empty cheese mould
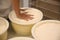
[
  {"x": 46, "y": 30},
  {"x": 21, "y": 38},
  {"x": 3, "y": 28},
  {"x": 23, "y": 27}
]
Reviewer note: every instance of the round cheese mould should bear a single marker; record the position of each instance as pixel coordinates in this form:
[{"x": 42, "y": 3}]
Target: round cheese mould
[
  {"x": 46, "y": 30},
  {"x": 23, "y": 27},
  {"x": 3, "y": 28},
  {"x": 21, "y": 38}
]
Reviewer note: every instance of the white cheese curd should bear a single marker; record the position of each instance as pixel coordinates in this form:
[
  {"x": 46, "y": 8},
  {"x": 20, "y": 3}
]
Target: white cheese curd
[{"x": 47, "y": 30}]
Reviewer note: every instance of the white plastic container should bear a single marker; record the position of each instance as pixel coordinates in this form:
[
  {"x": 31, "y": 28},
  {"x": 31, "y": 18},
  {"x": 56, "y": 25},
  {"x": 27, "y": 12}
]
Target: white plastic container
[
  {"x": 21, "y": 38},
  {"x": 23, "y": 27},
  {"x": 3, "y": 28},
  {"x": 47, "y": 30}
]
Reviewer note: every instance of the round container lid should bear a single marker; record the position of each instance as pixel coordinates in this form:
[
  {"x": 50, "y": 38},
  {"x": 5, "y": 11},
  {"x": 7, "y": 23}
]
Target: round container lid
[
  {"x": 46, "y": 30},
  {"x": 21, "y": 38},
  {"x": 3, "y": 25},
  {"x": 37, "y": 16}
]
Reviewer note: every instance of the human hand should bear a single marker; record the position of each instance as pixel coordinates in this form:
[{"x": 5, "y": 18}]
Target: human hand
[{"x": 25, "y": 16}]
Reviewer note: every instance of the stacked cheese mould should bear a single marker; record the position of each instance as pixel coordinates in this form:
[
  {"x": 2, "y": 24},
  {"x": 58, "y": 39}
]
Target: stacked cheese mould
[
  {"x": 3, "y": 28},
  {"x": 23, "y": 27}
]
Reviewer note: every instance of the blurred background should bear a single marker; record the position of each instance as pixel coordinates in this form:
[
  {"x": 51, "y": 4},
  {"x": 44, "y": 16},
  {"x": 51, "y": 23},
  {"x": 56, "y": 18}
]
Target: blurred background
[{"x": 50, "y": 8}]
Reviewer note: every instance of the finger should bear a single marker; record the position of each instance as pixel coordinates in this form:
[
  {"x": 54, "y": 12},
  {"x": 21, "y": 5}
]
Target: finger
[
  {"x": 29, "y": 15},
  {"x": 30, "y": 18},
  {"x": 25, "y": 13},
  {"x": 23, "y": 9},
  {"x": 26, "y": 19}
]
